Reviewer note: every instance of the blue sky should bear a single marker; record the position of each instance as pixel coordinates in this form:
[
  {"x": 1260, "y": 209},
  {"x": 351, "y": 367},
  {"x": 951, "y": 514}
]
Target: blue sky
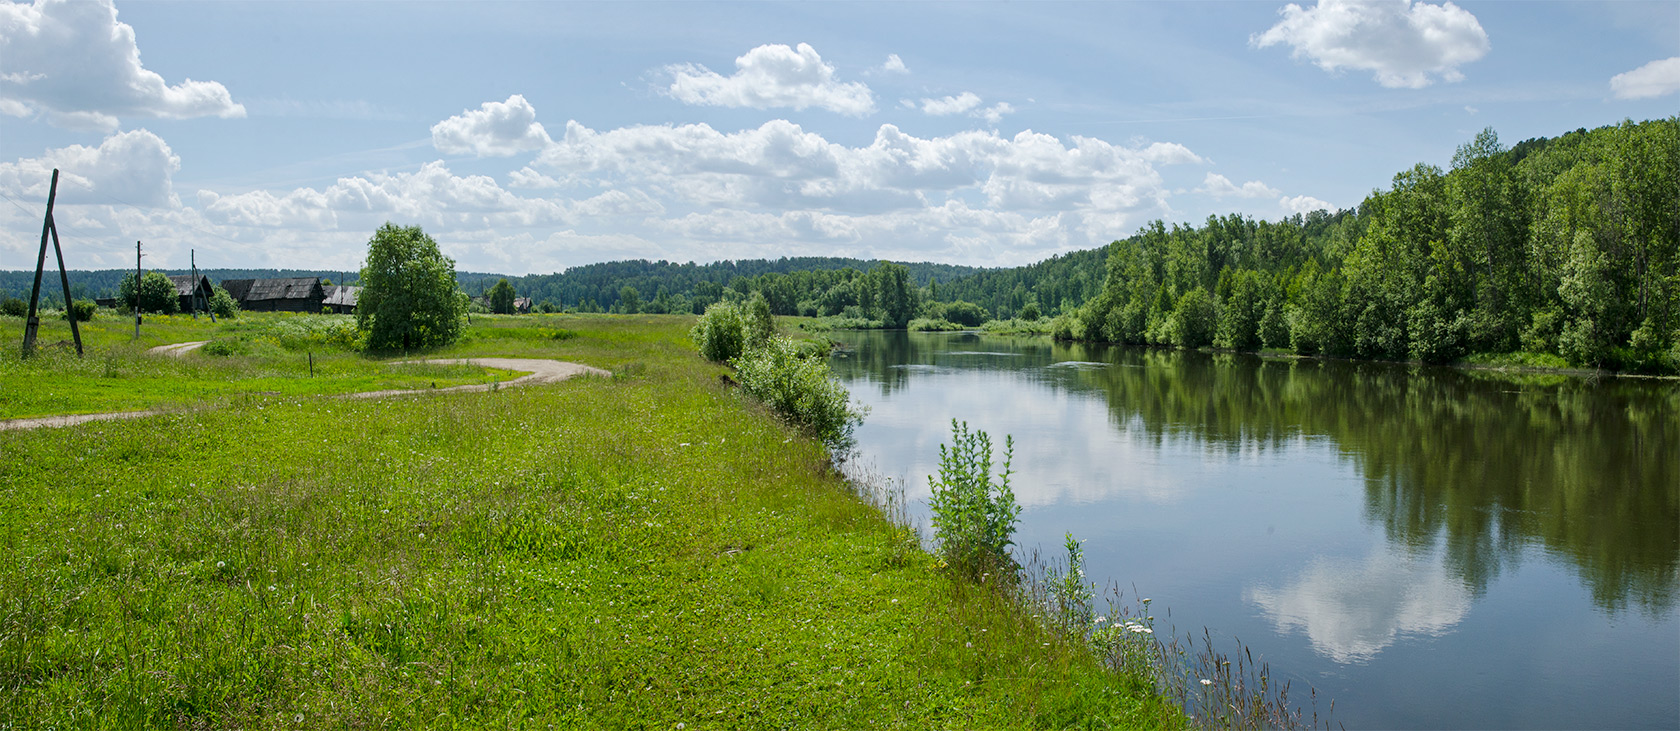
[{"x": 528, "y": 137}]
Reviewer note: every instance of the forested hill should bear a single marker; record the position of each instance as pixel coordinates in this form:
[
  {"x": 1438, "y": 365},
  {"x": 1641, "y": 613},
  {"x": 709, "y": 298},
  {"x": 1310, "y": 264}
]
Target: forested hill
[
  {"x": 1565, "y": 249},
  {"x": 600, "y": 286}
]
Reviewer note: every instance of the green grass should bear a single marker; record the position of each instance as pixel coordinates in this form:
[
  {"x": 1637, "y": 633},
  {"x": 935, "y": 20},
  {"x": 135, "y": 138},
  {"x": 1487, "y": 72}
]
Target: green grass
[
  {"x": 644, "y": 551},
  {"x": 117, "y": 374},
  {"x": 1519, "y": 359}
]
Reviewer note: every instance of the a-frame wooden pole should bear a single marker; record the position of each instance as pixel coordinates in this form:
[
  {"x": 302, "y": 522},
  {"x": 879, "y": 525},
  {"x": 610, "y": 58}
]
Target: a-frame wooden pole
[{"x": 49, "y": 229}]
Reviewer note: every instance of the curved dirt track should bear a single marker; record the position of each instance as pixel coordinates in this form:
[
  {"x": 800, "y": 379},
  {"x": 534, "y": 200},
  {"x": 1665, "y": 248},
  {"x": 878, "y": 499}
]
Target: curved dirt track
[
  {"x": 178, "y": 349},
  {"x": 537, "y": 371}
]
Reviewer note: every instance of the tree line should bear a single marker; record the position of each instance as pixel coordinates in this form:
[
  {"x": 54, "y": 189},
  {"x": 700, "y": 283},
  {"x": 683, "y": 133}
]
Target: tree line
[{"x": 1564, "y": 248}]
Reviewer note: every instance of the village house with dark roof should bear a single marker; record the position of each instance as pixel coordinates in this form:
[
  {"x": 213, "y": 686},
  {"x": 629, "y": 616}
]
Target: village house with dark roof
[
  {"x": 193, "y": 293},
  {"x": 341, "y": 298},
  {"x": 292, "y": 294}
]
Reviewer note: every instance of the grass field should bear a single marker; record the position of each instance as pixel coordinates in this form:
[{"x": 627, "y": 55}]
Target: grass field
[
  {"x": 651, "y": 550},
  {"x": 278, "y": 354}
]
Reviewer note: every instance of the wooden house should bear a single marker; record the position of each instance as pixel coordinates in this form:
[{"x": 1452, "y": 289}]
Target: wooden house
[
  {"x": 341, "y": 298},
  {"x": 292, "y": 294},
  {"x": 193, "y": 293}
]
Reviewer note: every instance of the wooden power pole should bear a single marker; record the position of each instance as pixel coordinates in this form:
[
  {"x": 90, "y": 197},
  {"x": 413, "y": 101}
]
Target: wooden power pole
[
  {"x": 137, "y": 278},
  {"x": 32, "y": 325}
]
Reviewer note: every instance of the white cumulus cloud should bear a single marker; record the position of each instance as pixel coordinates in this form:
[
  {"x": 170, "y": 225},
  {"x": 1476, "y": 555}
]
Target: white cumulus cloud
[
  {"x": 495, "y": 129},
  {"x": 958, "y": 104},
  {"x": 1657, "y": 78},
  {"x": 772, "y": 76},
  {"x": 1220, "y": 186},
  {"x": 1304, "y": 204},
  {"x": 894, "y": 65},
  {"x": 132, "y": 168},
  {"x": 1403, "y": 44},
  {"x": 75, "y": 62}
]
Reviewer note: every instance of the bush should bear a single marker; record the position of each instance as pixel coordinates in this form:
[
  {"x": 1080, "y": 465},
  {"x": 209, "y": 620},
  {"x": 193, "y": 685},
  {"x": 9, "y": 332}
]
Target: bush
[
  {"x": 923, "y": 324},
  {"x": 82, "y": 310},
  {"x": 222, "y": 304},
  {"x": 720, "y": 334},
  {"x": 965, "y": 313},
  {"x": 973, "y": 518},
  {"x": 801, "y": 389},
  {"x": 14, "y": 307},
  {"x": 409, "y": 298}
]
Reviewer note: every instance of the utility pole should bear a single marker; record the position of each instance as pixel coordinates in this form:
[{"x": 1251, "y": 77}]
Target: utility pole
[
  {"x": 136, "y": 290},
  {"x": 33, "y": 324}
]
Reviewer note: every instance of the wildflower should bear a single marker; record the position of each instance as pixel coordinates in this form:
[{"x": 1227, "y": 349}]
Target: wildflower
[
  {"x": 1205, "y": 681},
  {"x": 221, "y": 565}
]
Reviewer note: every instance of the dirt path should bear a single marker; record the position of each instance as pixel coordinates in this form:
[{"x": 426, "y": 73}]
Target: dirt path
[
  {"x": 537, "y": 371},
  {"x": 178, "y": 349}
]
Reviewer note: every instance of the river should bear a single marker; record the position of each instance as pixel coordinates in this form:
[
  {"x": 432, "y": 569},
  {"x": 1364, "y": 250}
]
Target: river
[{"x": 1429, "y": 547}]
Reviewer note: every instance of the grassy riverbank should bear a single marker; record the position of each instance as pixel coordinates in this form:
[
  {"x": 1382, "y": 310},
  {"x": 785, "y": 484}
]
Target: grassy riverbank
[{"x": 650, "y": 550}]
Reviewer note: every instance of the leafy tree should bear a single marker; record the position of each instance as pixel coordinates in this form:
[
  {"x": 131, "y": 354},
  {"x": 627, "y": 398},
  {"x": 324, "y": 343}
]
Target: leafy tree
[
  {"x": 501, "y": 298},
  {"x": 891, "y": 294},
  {"x": 409, "y": 298},
  {"x": 157, "y": 293},
  {"x": 629, "y": 300},
  {"x": 757, "y": 321},
  {"x": 13, "y": 307}
]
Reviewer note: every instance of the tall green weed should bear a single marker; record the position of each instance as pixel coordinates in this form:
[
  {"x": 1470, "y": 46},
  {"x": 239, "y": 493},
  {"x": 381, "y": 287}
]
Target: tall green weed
[{"x": 973, "y": 516}]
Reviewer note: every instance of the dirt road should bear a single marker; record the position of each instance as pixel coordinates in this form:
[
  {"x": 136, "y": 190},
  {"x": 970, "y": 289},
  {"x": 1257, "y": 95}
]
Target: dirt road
[{"x": 537, "y": 371}]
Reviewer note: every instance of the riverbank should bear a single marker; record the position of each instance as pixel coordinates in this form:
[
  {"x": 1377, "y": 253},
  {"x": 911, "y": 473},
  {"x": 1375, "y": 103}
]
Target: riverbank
[{"x": 651, "y": 549}]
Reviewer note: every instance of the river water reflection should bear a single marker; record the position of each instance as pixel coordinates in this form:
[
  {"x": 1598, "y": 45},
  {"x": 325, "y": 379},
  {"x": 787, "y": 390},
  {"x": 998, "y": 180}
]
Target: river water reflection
[{"x": 1431, "y": 548}]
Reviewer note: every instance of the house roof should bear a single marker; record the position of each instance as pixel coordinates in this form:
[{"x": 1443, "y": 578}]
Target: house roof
[
  {"x": 184, "y": 284},
  {"x": 291, "y": 288},
  {"x": 342, "y": 294}
]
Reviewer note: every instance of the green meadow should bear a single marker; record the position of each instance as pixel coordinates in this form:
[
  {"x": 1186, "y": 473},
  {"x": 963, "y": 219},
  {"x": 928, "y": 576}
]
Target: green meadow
[
  {"x": 263, "y": 354},
  {"x": 650, "y": 550}
]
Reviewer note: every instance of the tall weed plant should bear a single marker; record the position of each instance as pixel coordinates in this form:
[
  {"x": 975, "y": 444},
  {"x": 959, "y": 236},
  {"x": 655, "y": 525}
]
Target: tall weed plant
[{"x": 973, "y": 516}]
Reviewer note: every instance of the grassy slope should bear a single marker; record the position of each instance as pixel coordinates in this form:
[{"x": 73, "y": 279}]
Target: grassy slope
[
  {"x": 631, "y": 552},
  {"x": 118, "y": 375}
]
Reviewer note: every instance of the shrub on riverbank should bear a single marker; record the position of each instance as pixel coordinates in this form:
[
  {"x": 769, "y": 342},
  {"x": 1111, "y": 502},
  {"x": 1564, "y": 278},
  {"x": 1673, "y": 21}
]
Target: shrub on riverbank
[{"x": 800, "y": 388}]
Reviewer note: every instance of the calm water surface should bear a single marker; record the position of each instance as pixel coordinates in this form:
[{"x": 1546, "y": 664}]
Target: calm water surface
[{"x": 1431, "y": 548}]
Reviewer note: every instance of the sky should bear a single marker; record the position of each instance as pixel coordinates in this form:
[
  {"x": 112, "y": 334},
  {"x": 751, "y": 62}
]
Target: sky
[{"x": 528, "y": 137}]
